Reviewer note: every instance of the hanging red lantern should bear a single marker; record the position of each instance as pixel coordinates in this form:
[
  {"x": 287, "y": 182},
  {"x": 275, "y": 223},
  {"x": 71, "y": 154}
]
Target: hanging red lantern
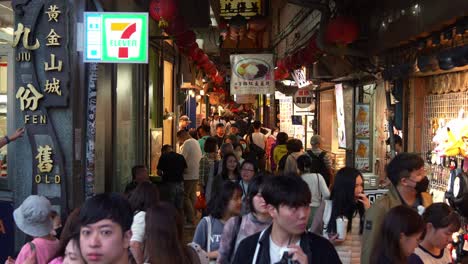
[
  {"x": 288, "y": 62},
  {"x": 186, "y": 38},
  {"x": 192, "y": 48},
  {"x": 308, "y": 56},
  {"x": 204, "y": 59},
  {"x": 162, "y": 11},
  {"x": 342, "y": 30},
  {"x": 218, "y": 79},
  {"x": 197, "y": 54},
  {"x": 312, "y": 45},
  {"x": 177, "y": 26},
  {"x": 211, "y": 70}
]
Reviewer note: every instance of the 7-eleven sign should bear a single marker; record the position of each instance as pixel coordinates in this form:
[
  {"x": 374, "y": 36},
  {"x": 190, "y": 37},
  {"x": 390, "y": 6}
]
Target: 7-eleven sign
[{"x": 117, "y": 37}]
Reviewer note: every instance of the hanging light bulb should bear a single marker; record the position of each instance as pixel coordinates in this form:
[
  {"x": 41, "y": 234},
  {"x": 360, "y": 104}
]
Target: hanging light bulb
[
  {"x": 191, "y": 93},
  {"x": 198, "y": 97},
  {"x": 416, "y": 9},
  {"x": 202, "y": 92}
]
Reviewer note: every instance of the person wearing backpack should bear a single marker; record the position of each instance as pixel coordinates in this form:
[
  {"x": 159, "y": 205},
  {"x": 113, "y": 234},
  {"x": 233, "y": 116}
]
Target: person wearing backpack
[{"x": 320, "y": 159}]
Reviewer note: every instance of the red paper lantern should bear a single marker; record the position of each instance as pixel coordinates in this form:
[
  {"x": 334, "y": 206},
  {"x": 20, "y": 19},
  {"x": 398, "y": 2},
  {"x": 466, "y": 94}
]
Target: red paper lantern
[
  {"x": 186, "y": 38},
  {"x": 211, "y": 70},
  {"x": 342, "y": 30},
  {"x": 177, "y": 26},
  {"x": 204, "y": 59},
  {"x": 192, "y": 48},
  {"x": 288, "y": 62},
  {"x": 308, "y": 56},
  {"x": 218, "y": 79},
  {"x": 197, "y": 54},
  {"x": 162, "y": 11}
]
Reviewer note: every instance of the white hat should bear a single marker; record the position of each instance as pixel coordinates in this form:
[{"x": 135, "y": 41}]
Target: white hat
[{"x": 33, "y": 216}]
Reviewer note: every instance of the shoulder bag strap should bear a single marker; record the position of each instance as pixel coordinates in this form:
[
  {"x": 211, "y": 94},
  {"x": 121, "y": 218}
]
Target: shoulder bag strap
[
  {"x": 257, "y": 249},
  {"x": 318, "y": 187},
  {"x": 208, "y": 241}
]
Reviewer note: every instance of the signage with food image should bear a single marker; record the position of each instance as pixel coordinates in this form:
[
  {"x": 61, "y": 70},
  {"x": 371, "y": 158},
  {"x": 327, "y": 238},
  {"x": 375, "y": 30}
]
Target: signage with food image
[
  {"x": 362, "y": 155},
  {"x": 362, "y": 121},
  {"x": 252, "y": 74}
]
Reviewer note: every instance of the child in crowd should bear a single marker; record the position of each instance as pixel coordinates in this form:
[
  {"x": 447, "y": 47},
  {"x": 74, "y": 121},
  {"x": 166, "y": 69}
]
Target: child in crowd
[
  {"x": 226, "y": 204},
  {"x": 240, "y": 227},
  {"x": 399, "y": 235},
  {"x": 441, "y": 222},
  {"x": 33, "y": 218}
]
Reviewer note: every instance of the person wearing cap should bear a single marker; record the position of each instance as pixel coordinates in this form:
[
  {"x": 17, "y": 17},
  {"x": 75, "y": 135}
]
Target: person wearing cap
[
  {"x": 32, "y": 217},
  {"x": 184, "y": 122}
]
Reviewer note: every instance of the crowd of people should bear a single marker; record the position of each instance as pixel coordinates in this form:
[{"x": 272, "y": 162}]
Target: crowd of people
[{"x": 261, "y": 198}]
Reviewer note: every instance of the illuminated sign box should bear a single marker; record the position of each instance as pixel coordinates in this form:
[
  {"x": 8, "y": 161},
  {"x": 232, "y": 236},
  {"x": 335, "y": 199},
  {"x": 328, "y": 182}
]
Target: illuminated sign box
[{"x": 116, "y": 37}]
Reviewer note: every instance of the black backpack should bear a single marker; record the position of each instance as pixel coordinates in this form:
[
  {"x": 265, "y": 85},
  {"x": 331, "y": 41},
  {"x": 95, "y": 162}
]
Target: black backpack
[
  {"x": 318, "y": 162},
  {"x": 282, "y": 162}
]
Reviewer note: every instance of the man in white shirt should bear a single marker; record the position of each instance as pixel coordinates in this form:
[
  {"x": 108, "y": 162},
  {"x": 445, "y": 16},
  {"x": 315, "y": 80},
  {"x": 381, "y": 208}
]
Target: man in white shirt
[{"x": 190, "y": 149}]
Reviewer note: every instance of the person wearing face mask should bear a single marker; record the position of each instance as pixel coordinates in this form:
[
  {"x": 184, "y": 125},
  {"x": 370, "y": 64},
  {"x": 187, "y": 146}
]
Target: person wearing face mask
[{"x": 409, "y": 185}]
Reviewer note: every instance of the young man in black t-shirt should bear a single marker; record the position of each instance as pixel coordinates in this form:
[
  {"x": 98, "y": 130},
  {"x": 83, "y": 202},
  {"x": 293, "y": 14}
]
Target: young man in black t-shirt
[{"x": 287, "y": 199}]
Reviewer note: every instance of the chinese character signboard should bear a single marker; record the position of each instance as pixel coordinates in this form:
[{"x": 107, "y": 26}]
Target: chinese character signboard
[
  {"x": 252, "y": 74},
  {"x": 116, "y": 37},
  {"x": 303, "y": 98},
  {"x": 340, "y": 116},
  {"x": 42, "y": 77},
  {"x": 246, "y": 8}
]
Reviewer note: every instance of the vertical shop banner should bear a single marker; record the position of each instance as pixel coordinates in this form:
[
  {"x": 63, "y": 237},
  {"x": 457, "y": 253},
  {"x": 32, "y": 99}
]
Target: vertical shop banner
[
  {"x": 362, "y": 121},
  {"x": 42, "y": 74},
  {"x": 341, "y": 130},
  {"x": 252, "y": 74},
  {"x": 362, "y": 148}
]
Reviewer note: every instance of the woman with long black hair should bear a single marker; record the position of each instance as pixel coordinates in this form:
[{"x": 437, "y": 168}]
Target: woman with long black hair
[
  {"x": 347, "y": 203},
  {"x": 224, "y": 205}
]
